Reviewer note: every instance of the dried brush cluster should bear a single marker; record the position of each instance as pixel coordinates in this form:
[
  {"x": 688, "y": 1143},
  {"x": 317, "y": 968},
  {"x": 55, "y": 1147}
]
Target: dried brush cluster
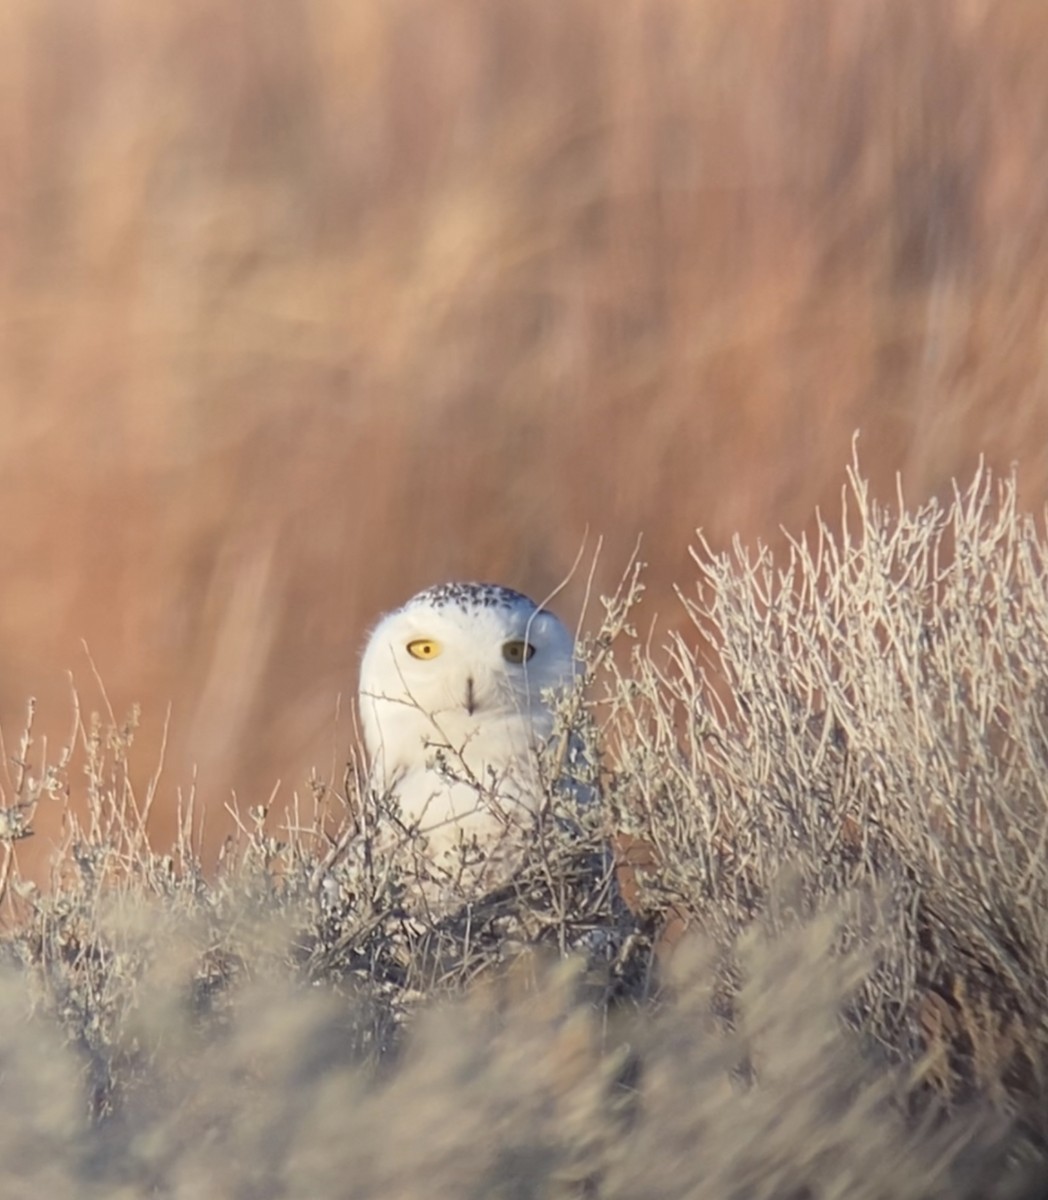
[{"x": 839, "y": 785}]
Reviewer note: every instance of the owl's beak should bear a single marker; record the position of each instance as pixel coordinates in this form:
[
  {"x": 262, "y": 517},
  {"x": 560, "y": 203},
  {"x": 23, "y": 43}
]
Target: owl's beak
[{"x": 471, "y": 702}]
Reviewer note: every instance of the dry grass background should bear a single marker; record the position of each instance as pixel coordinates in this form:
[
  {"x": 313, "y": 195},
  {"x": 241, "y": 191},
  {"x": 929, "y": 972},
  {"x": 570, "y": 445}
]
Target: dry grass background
[{"x": 307, "y": 304}]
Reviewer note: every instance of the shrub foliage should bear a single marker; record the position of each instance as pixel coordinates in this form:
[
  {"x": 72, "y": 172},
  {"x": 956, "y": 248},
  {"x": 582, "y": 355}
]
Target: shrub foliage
[{"x": 797, "y": 948}]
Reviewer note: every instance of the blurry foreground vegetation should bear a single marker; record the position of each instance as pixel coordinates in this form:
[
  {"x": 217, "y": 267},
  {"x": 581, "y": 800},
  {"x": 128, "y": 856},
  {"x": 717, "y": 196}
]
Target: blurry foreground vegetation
[{"x": 845, "y": 788}]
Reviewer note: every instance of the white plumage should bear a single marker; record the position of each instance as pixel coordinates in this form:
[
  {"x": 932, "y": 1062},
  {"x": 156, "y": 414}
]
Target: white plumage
[{"x": 457, "y": 694}]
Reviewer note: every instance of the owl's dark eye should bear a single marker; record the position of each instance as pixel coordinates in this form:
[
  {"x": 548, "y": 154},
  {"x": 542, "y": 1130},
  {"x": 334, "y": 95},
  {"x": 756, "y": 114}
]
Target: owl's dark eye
[{"x": 517, "y": 652}]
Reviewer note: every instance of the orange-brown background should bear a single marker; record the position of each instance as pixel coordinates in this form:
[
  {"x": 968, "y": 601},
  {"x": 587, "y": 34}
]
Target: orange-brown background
[{"x": 307, "y": 303}]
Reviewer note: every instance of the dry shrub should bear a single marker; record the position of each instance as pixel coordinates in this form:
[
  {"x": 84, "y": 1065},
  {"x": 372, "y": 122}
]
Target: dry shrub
[
  {"x": 874, "y": 715},
  {"x": 846, "y": 803}
]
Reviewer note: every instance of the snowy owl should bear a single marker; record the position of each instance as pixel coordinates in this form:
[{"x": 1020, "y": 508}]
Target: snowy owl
[{"x": 457, "y": 697}]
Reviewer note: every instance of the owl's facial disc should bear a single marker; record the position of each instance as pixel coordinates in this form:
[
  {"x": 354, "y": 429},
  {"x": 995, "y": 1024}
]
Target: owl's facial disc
[
  {"x": 473, "y": 674},
  {"x": 469, "y": 664}
]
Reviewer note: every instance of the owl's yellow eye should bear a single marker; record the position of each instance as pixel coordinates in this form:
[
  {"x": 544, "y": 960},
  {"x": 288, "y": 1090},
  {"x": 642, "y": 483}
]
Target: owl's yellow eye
[
  {"x": 424, "y": 648},
  {"x": 517, "y": 652}
]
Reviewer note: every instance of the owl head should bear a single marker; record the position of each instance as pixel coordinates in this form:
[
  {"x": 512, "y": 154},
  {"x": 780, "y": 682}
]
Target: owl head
[{"x": 463, "y": 665}]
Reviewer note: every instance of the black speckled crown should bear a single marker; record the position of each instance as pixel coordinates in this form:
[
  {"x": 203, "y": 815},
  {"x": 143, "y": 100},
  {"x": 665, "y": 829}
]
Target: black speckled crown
[{"x": 472, "y": 595}]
